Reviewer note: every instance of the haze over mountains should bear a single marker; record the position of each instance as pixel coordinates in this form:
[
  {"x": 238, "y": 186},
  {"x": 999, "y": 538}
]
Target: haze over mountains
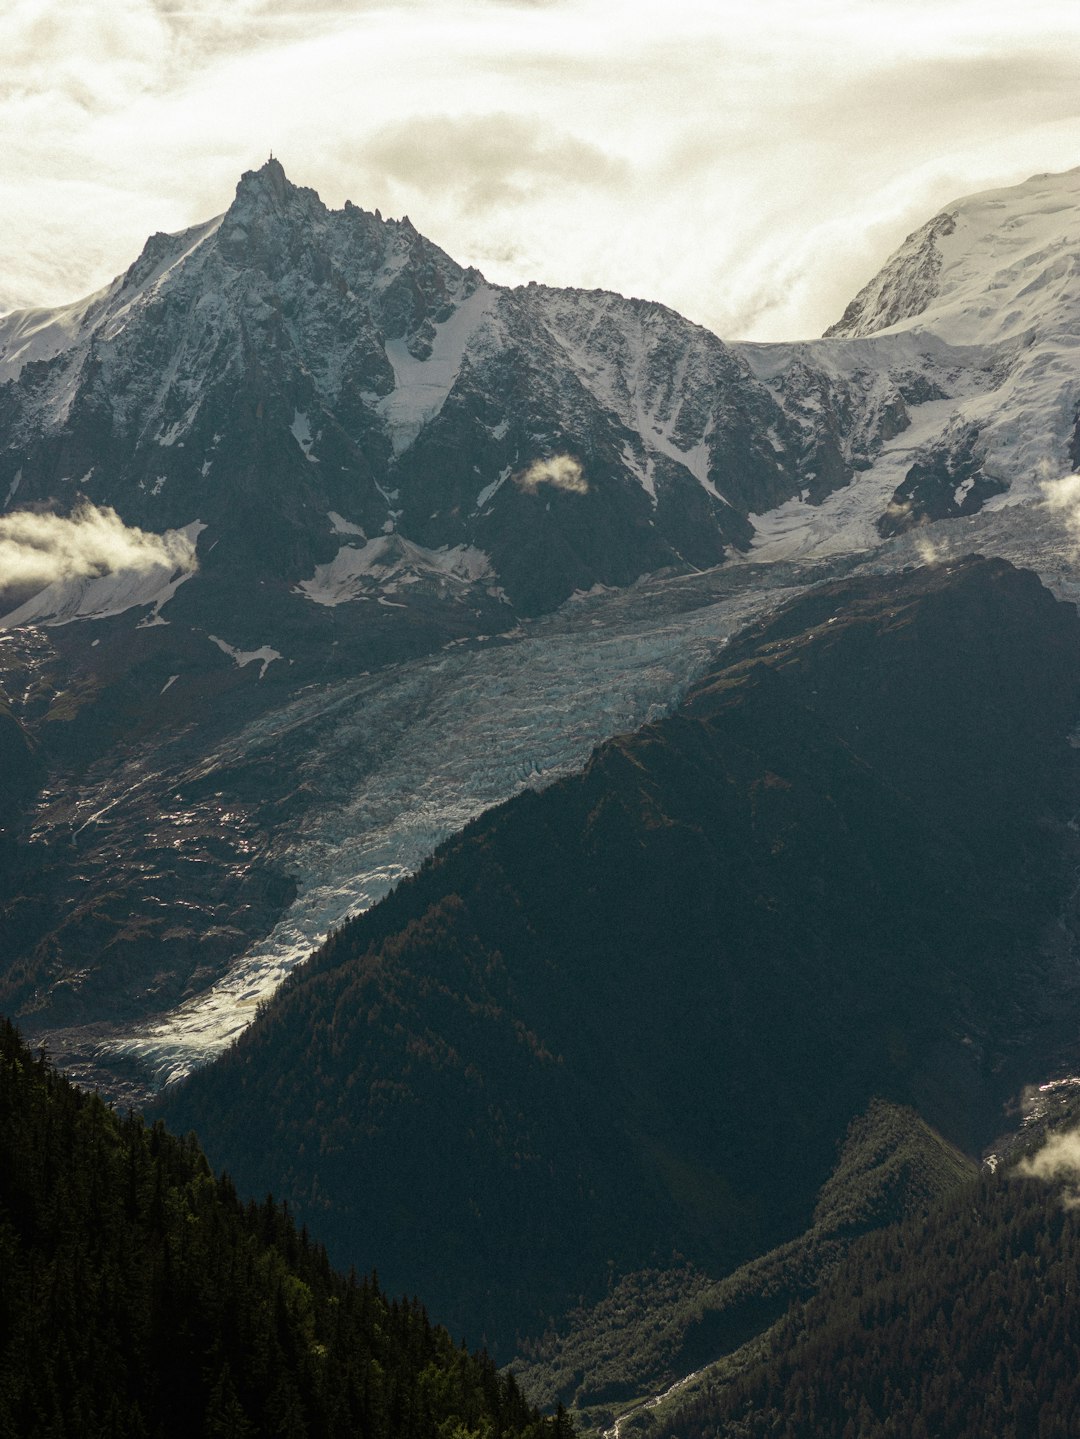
[{"x": 317, "y": 546}]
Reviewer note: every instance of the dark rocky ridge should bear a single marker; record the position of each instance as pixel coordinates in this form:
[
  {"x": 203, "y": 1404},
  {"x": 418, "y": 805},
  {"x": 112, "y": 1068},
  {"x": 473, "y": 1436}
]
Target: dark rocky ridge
[
  {"x": 947, "y": 483},
  {"x": 655, "y": 1328},
  {"x": 586, "y": 1034}
]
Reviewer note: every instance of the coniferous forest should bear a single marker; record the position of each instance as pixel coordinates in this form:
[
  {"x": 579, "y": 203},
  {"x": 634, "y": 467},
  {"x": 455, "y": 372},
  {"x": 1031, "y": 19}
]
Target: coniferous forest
[
  {"x": 962, "y": 1324},
  {"x": 140, "y": 1297}
]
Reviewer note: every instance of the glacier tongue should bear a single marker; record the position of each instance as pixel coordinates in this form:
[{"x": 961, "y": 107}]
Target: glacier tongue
[{"x": 402, "y": 759}]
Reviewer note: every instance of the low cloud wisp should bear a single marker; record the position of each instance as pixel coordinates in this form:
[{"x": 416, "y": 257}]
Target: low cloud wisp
[
  {"x": 41, "y": 549},
  {"x": 1063, "y": 496},
  {"x": 1057, "y": 1162},
  {"x": 561, "y": 472}
]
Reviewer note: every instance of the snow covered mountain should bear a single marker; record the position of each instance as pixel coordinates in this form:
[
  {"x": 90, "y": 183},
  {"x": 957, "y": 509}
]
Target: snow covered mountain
[
  {"x": 297, "y": 380},
  {"x": 372, "y": 479},
  {"x": 990, "y": 267},
  {"x": 984, "y": 300}
]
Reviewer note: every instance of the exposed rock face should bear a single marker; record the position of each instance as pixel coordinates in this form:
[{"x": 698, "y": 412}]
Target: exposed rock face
[
  {"x": 946, "y": 484},
  {"x": 904, "y": 288}
]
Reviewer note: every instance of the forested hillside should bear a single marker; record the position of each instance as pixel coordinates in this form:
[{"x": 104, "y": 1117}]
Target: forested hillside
[
  {"x": 654, "y": 1328},
  {"x": 140, "y": 1298},
  {"x": 962, "y": 1325}
]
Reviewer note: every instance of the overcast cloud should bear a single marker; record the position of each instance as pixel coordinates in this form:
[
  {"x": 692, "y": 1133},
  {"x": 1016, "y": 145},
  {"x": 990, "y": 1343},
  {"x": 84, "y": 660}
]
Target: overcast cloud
[{"x": 750, "y": 164}]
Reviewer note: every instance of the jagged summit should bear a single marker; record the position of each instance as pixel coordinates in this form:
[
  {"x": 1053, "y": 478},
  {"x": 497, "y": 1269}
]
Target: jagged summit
[
  {"x": 270, "y": 173},
  {"x": 267, "y": 198},
  {"x": 270, "y": 191}
]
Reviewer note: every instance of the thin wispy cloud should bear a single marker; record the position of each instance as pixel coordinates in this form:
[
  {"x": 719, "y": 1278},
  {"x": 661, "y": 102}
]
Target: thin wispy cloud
[
  {"x": 1062, "y": 498},
  {"x": 487, "y": 161},
  {"x": 41, "y": 549},
  {"x": 749, "y": 164}
]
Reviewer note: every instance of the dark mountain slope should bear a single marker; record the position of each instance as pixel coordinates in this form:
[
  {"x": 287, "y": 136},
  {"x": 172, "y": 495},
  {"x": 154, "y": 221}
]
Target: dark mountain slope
[
  {"x": 960, "y": 1325},
  {"x": 634, "y": 1013},
  {"x": 138, "y": 1297},
  {"x": 654, "y": 1329}
]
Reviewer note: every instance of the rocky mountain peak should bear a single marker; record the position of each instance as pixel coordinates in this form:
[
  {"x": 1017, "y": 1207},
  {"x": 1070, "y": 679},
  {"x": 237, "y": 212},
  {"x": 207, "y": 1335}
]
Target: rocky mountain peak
[
  {"x": 269, "y": 185},
  {"x": 905, "y": 287},
  {"x": 271, "y": 174},
  {"x": 271, "y": 222}
]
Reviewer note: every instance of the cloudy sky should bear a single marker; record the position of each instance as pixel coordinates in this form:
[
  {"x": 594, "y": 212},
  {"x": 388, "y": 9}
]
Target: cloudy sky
[{"x": 750, "y": 162}]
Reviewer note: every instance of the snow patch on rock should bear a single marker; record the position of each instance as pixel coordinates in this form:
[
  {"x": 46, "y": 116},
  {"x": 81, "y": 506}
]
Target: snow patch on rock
[
  {"x": 422, "y": 386},
  {"x": 388, "y": 564},
  {"x": 264, "y": 654},
  {"x": 301, "y": 433}
]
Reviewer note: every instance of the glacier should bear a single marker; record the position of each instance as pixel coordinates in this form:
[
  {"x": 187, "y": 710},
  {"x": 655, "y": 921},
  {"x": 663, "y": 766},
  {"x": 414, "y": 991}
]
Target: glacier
[{"x": 402, "y": 760}]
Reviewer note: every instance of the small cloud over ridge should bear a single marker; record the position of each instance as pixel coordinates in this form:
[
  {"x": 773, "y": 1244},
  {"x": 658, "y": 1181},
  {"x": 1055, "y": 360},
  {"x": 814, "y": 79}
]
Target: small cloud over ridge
[
  {"x": 561, "y": 472},
  {"x": 1062, "y": 494},
  {"x": 41, "y": 549}
]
